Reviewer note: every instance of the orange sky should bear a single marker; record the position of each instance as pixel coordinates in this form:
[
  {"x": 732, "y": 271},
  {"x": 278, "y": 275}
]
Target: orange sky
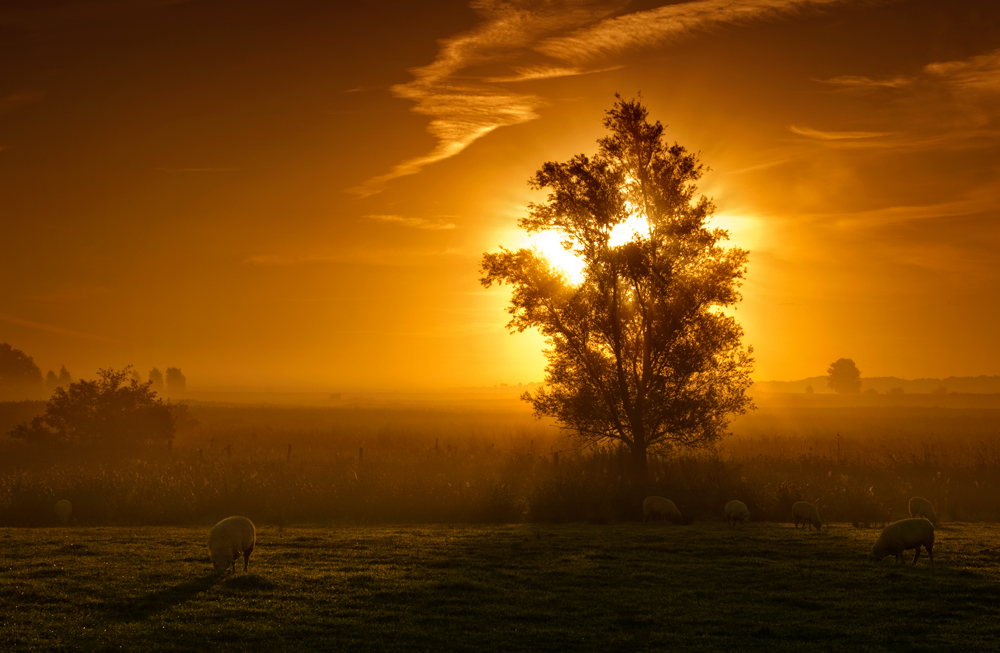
[{"x": 297, "y": 194}]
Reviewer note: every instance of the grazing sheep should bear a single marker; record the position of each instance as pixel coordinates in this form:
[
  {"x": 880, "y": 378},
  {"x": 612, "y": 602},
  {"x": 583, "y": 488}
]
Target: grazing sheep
[
  {"x": 803, "y": 511},
  {"x": 660, "y": 508},
  {"x": 63, "y": 511},
  {"x": 921, "y": 507},
  {"x": 737, "y": 511},
  {"x": 902, "y": 535},
  {"x": 229, "y": 539}
]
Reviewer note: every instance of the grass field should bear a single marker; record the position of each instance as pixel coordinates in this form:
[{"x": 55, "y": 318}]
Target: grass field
[{"x": 627, "y": 586}]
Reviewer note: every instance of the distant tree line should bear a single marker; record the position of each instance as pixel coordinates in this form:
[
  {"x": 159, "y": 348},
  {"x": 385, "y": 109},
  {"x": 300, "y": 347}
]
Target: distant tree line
[{"x": 21, "y": 378}]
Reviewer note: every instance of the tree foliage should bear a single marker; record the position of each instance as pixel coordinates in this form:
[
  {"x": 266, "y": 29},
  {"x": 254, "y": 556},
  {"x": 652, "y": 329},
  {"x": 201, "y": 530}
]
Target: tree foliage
[
  {"x": 20, "y": 378},
  {"x": 639, "y": 352},
  {"x": 844, "y": 377},
  {"x": 112, "y": 413},
  {"x": 176, "y": 382}
]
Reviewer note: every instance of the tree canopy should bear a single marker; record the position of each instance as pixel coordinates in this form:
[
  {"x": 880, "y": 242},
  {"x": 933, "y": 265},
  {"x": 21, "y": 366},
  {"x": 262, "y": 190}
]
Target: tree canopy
[
  {"x": 639, "y": 351},
  {"x": 114, "y": 412},
  {"x": 20, "y": 378},
  {"x": 844, "y": 377}
]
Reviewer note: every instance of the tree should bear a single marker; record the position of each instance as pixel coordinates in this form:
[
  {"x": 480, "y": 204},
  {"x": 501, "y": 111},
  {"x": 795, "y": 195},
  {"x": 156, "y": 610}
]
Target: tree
[
  {"x": 111, "y": 413},
  {"x": 844, "y": 377},
  {"x": 20, "y": 378},
  {"x": 51, "y": 382},
  {"x": 639, "y": 352},
  {"x": 65, "y": 378},
  {"x": 156, "y": 380},
  {"x": 176, "y": 382}
]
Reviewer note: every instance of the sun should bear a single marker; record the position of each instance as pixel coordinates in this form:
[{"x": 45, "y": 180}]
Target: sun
[{"x": 549, "y": 245}]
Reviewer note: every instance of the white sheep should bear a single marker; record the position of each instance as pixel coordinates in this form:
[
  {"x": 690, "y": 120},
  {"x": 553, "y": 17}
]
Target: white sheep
[
  {"x": 737, "y": 511},
  {"x": 904, "y": 534},
  {"x": 660, "y": 508},
  {"x": 229, "y": 539},
  {"x": 803, "y": 511},
  {"x": 921, "y": 507},
  {"x": 63, "y": 510}
]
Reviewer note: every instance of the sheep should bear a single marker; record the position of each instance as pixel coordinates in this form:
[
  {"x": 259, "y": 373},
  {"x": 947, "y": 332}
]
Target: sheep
[
  {"x": 658, "y": 507},
  {"x": 921, "y": 507},
  {"x": 737, "y": 511},
  {"x": 803, "y": 511},
  {"x": 230, "y": 538},
  {"x": 902, "y": 535},
  {"x": 63, "y": 510}
]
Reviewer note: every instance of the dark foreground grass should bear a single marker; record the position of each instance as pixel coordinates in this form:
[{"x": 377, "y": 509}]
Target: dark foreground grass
[{"x": 504, "y": 588}]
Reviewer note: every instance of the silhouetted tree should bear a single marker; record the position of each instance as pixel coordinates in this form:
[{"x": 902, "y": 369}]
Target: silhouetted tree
[
  {"x": 156, "y": 380},
  {"x": 51, "y": 382},
  {"x": 638, "y": 352},
  {"x": 20, "y": 378},
  {"x": 111, "y": 413},
  {"x": 176, "y": 383},
  {"x": 64, "y": 377},
  {"x": 844, "y": 377},
  {"x": 809, "y": 389}
]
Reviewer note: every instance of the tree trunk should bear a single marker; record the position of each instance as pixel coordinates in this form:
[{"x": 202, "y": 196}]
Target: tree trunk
[{"x": 639, "y": 463}]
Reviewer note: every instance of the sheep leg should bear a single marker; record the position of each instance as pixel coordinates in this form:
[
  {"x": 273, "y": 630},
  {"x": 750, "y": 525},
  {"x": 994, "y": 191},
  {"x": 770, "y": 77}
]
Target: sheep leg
[
  {"x": 930, "y": 553},
  {"x": 246, "y": 557},
  {"x": 917, "y": 556}
]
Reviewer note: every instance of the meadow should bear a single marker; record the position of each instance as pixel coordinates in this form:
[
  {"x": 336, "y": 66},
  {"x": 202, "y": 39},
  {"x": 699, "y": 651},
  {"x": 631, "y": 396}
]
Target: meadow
[
  {"x": 625, "y": 586},
  {"x": 375, "y": 462}
]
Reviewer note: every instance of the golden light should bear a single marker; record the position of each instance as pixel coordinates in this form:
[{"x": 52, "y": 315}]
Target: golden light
[
  {"x": 549, "y": 245},
  {"x": 633, "y": 226}
]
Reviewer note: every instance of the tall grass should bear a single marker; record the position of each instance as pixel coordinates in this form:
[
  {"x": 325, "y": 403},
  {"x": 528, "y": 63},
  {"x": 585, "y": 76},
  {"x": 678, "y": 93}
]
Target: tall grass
[{"x": 378, "y": 465}]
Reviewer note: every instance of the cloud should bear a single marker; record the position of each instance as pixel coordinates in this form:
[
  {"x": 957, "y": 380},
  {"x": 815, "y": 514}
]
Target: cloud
[
  {"x": 54, "y": 329},
  {"x": 834, "y": 136},
  {"x": 379, "y": 257},
  {"x": 464, "y": 108},
  {"x": 866, "y": 83},
  {"x": 416, "y": 223},
  {"x": 531, "y": 73},
  {"x": 197, "y": 169},
  {"x": 980, "y": 73},
  {"x": 19, "y": 99},
  {"x": 654, "y": 27}
]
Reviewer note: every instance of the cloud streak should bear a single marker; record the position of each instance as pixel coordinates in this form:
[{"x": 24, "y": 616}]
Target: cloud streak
[
  {"x": 465, "y": 107},
  {"x": 416, "y": 223},
  {"x": 834, "y": 135},
  {"x": 39, "y": 326},
  {"x": 656, "y": 27},
  {"x": 378, "y": 257}
]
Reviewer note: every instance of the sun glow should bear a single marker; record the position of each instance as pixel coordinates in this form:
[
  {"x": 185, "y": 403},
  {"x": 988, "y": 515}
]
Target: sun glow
[
  {"x": 623, "y": 232},
  {"x": 549, "y": 245}
]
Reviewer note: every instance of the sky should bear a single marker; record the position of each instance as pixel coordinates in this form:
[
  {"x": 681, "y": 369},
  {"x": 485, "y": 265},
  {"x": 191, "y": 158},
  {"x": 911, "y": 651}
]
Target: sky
[{"x": 297, "y": 194}]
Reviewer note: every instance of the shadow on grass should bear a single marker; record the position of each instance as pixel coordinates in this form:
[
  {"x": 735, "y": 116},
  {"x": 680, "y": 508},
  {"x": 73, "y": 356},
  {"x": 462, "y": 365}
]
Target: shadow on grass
[{"x": 163, "y": 599}]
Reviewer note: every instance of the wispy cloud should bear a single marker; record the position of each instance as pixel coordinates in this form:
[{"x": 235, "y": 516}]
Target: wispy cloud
[
  {"x": 416, "y": 223},
  {"x": 531, "y": 73},
  {"x": 866, "y": 83},
  {"x": 948, "y": 102},
  {"x": 463, "y": 108},
  {"x": 19, "y": 99},
  {"x": 39, "y": 326},
  {"x": 197, "y": 169},
  {"x": 980, "y": 73},
  {"x": 834, "y": 135},
  {"x": 655, "y": 27},
  {"x": 379, "y": 256}
]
